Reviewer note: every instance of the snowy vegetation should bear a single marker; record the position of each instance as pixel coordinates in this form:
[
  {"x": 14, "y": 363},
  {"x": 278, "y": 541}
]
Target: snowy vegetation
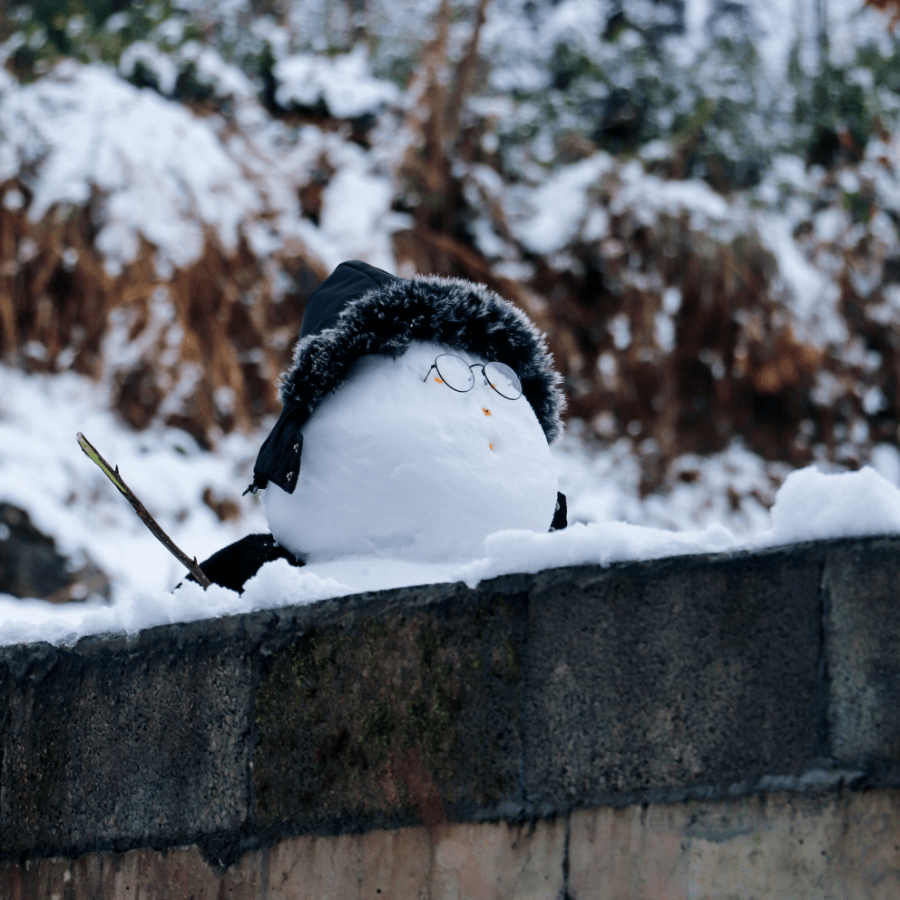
[{"x": 698, "y": 200}]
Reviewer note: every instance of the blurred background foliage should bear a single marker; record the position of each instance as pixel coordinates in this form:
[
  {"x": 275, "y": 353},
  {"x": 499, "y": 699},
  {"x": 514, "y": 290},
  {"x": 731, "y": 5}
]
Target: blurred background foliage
[{"x": 611, "y": 80}]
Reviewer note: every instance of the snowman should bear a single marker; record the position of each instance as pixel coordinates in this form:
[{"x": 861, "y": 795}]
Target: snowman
[{"x": 417, "y": 419}]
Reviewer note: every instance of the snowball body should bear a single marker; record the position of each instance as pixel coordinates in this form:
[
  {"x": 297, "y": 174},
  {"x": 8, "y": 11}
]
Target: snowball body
[{"x": 394, "y": 463}]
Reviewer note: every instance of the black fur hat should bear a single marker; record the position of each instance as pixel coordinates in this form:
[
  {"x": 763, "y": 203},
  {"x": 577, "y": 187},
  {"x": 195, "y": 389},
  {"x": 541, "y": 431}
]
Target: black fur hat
[{"x": 360, "y": 310}]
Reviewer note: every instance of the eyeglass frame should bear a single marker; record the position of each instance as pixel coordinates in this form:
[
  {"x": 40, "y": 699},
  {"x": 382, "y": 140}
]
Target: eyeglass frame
[{"x": 471, "y": 366}]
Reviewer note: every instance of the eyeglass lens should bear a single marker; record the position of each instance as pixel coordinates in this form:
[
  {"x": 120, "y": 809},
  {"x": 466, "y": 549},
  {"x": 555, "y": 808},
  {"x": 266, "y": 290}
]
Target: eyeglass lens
[
  {"x": 456, "y": 373},
  {"x": 503, "y": 380}
]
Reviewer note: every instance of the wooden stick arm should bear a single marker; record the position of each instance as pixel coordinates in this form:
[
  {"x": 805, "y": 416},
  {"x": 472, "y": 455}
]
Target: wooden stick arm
[{"x": 113, "y": 475}]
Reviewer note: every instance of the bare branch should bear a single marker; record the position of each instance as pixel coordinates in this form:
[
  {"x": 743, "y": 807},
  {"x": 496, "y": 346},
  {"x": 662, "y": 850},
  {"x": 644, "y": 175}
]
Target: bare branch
[
  {"x": 465, "y": 75},
  {"x": 113, "y": 475}
]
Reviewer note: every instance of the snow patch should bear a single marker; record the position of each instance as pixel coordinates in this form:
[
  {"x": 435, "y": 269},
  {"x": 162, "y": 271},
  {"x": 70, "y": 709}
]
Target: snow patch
[
  {"x": 547, "y": 218},
  {"x": 811, "y": 505},
  {"x": 42, "y": 470},
  {"x": 344, "y": 83},
  {"x": 148, "y": 56},
  {"x": 814, "y": 297},
  {"x": 356, "y": 217}
]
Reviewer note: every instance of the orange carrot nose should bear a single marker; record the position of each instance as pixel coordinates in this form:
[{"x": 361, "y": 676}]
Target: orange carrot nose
[
  {"x": 491, "y": 446},
  {"x": 439, "y": 380},
  {"x": 485, "y": 410}
]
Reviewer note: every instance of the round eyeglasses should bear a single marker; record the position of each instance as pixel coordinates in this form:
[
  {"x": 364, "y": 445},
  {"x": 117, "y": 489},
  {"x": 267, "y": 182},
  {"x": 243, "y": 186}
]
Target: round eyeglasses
[{"x": 457, "y": 374}]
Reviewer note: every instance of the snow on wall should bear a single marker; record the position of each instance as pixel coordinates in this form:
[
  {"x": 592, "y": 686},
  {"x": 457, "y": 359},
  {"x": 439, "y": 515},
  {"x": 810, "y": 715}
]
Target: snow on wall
[
  {"x": 42, "y": 469},
  {"x": 811, "y": 505}
]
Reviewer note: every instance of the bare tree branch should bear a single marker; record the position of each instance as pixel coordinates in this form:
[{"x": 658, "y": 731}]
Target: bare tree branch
[{"x": 113, "y": 475}]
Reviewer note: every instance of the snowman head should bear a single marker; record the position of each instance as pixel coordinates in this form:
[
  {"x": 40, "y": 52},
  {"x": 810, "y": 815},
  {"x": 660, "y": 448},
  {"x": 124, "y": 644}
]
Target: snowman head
[{"x": 416, "y": 417}]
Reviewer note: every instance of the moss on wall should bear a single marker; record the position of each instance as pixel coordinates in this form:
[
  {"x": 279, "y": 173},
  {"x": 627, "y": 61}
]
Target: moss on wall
[{"x": 412, "y": 718}]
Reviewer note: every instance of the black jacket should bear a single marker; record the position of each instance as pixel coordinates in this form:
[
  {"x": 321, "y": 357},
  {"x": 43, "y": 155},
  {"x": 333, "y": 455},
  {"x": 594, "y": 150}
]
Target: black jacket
[{"x": 233, "y": 566}]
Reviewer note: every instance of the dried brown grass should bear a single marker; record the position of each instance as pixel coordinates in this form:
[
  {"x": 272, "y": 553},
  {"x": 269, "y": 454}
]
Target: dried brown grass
[
  {"x": 735, "y": 367},
  {"x": 200, "y": 350},
  {"x": 438, "y": 138},
  {"x": 887, "y": 6}
]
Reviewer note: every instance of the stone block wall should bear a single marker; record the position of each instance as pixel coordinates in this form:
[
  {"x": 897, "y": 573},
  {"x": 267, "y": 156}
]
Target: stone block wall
[{"x": 706, "y": 726}]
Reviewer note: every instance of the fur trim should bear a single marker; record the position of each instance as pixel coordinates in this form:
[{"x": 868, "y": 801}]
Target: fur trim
[{"x": 451, "y": 311}]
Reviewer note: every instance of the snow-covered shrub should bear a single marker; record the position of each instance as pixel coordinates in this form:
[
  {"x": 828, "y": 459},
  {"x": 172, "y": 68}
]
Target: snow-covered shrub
[
  {"x": 619, "y": 76},
  {"x": 140, "y": 254}
]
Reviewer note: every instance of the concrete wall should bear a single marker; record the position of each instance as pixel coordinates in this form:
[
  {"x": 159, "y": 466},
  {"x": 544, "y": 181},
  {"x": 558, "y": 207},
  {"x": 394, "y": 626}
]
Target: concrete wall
[{"x": 716, "y": 726}]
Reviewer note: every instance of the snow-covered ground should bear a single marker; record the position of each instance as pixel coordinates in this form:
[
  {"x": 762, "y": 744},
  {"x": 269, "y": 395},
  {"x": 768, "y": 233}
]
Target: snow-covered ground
[{"x": 43, "y": 470}]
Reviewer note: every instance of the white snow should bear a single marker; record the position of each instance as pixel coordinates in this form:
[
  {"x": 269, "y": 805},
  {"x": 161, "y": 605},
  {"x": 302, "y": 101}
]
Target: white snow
[
  {"x": 161, "y": 174},
  {"x": 344, "y": 83},
  {"x": 548, "y": 217},
  {"x": 395, "y": 461},
  {"x": 43, "y": 471},
  {"x": 649, "y": 197},
  {"x": 814, "y": 297},
  {"x": 224, "y": 78},
  {"x": 356, "y": 216},
  {"x": 620, "y": 328},
  {"x": 810, "y": 505},
  {"x": 148, "y": 55}
]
